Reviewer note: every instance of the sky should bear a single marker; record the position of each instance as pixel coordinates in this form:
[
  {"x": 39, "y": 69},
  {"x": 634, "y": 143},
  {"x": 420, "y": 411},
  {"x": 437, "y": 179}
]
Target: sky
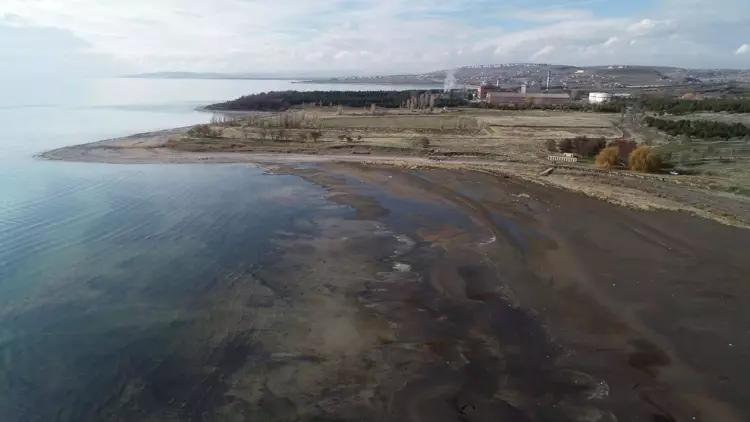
[{"x": 342, "y": 37}]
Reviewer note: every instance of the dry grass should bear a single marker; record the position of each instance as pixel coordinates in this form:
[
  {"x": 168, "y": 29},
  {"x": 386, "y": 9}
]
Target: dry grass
[
  {"x": 396, "y": 122},
  {"x": 464, "y": 133},
  {"x": 550, "y": 119}
]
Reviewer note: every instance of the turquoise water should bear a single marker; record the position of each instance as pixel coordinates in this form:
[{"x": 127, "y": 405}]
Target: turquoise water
[{"x": 101, "y": 264}]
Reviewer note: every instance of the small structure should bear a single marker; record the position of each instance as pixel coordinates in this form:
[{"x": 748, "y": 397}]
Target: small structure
[{"x": 599, "y": 97}]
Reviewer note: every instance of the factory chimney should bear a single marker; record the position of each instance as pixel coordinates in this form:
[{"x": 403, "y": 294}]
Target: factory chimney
[
  {"x": 549, "y": 79},
  {"x": 523, "y": 88}
]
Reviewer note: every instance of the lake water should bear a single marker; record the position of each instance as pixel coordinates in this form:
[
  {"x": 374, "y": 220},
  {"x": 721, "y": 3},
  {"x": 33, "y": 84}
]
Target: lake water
[{"x": 100, "y": 265}]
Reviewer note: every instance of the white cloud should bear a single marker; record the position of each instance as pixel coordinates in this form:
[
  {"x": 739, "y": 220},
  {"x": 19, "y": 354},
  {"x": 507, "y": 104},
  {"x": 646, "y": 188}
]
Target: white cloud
[
  {"x": 610, "y": 41},
  {"x": 356, "y": 36},
  {"x": 744, "y": 49},
  {"x": 548, "y": 15},
  {"x": 542, "y": 52}
]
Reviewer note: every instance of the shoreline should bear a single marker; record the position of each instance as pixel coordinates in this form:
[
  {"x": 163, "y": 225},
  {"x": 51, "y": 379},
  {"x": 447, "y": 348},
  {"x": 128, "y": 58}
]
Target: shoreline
[
  {"x": 628, "y": 190},
  {"x": 150, "y": 148}
]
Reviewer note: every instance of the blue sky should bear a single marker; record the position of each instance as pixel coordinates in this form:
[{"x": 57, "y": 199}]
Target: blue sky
[{"x": 359, "y": 36}]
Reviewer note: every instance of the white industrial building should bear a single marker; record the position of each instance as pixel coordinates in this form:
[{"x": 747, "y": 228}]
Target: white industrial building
[{"x": 599, "y": 97}]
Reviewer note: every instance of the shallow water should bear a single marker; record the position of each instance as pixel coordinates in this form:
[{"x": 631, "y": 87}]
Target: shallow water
[{"x": 110, "y": 272}]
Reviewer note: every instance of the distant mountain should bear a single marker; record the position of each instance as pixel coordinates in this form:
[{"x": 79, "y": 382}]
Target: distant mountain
[
  {"x": 213, "y": 75},
  {"x": 508, "y": 75}
]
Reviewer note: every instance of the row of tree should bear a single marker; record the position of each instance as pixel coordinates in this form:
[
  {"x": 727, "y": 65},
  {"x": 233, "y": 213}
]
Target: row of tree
[
  {"x": 681, "y": 107},
  {"x": 283, "y": 100},
  {"x": 705, "y": 129},
  {"x": 642, "y": 159}
]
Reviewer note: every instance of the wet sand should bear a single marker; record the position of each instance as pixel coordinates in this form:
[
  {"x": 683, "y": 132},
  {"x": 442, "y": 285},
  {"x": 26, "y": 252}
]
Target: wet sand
[
  {"x": 525, "y": 303},
  {"x": 458, "y": 296}
]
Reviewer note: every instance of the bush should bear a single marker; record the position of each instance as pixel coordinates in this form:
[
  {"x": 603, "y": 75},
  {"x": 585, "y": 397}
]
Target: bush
[
  {"x": 423, "y": 142},
  {"x": 588, "y": 147},
  {"x": 705, "y": 129},
  {"x": 608, "y": 157},
  {"x": 566, "y": 145},
  {"x": 551, "y": 145},
  {"x": 582, "y": 145},
  {"x": 644, "y": 160}
]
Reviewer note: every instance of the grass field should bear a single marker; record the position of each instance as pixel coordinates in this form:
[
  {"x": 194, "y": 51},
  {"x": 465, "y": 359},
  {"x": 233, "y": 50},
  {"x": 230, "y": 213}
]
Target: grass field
[
  {"x": 538, "y": 118},
  {"x": 406, "y": 122},
  {"x": 488, "y": 133},
  {"x": 722, "y": 165}
]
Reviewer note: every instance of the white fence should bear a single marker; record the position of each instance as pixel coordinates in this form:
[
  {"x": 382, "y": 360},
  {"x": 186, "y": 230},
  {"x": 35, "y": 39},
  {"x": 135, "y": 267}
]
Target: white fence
[{"x": 562, "y": 158}]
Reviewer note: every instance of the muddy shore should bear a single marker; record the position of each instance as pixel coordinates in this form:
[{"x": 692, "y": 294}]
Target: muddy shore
[
  {"x": 542, "y": 305},
  {"x": 455, "y": 295}
]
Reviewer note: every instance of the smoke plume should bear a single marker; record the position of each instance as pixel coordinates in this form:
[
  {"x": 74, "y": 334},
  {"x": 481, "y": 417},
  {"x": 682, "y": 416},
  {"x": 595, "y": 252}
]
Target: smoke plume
[{"x": 450, "y": 80}]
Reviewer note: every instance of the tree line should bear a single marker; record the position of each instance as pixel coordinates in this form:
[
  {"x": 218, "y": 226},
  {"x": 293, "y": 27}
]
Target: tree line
[
  {"x": 283, "y": 100},
  {"x": 681, "y": 107},
  {"x": 699, "y": 128},
  {"x": 596, "y": 108}
]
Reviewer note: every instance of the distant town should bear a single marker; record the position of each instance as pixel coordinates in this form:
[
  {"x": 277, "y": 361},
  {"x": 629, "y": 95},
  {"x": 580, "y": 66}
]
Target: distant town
[{"x": 536, "y": 76}]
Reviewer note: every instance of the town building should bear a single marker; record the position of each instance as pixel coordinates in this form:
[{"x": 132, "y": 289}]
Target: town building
[
  {"x": 484, "y": 89},
  {"x": 517, "y": 98}
]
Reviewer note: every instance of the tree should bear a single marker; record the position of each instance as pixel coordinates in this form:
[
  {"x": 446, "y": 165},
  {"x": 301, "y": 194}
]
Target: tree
[
  {"x": 645, "y": 160},
  {"x": 423, "y": 142},
  {"x": 315, "y": 135},
  {"x": 566, "y": 145},
  {"x": 608, "y": 158},
  {"x": 551, "y": 145}
]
